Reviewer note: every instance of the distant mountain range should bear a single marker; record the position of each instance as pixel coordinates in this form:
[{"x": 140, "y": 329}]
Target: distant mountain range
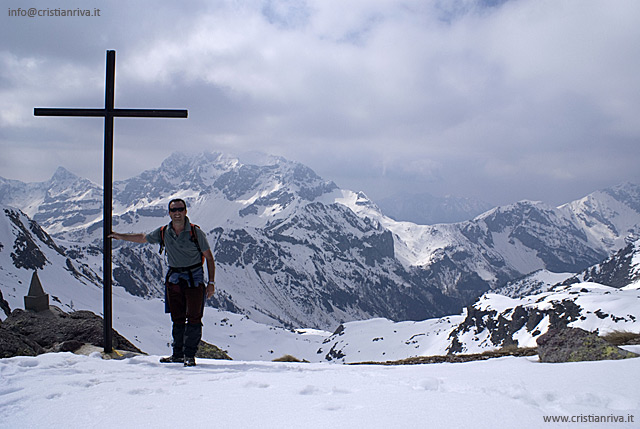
[
  {"x": 602, "y": 298},
  {"x": 292, "y": 249},
  {"x": 493, "y": 321}
]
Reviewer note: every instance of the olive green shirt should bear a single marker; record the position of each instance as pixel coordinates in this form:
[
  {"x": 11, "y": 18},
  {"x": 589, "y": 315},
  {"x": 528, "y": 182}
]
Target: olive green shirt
[{"x": 180, "y": 249}]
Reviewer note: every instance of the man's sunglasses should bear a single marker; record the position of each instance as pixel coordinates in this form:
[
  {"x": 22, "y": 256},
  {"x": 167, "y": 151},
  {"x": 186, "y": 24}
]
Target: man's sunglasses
[{"x": 177, "y": 209}]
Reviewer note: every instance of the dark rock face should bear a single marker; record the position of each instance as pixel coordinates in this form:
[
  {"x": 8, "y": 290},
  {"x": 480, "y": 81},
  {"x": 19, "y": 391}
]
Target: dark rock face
[
  {"x": 328, "y": 260},
  {"x": 576, "y": 345},
  {"x": 616, "y": 271},
  {"x": 4, "y": 305},
  {"x": 14, "y": 344},
  {"x": 560, "y": 244},
  {"x": 139, "y": 270},
  {"x": 26, "y": 253},
  {"x": 25, "y": 333},
  {"x": 502, "y": 327}
]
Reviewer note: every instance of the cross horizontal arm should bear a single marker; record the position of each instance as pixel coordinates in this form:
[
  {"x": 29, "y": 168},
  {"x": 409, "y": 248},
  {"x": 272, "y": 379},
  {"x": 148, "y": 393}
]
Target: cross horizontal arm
[
  {"x": 39, "y": 111},
  {"x": 123, "y": 113},
  {"x": 150, "y": 113}
]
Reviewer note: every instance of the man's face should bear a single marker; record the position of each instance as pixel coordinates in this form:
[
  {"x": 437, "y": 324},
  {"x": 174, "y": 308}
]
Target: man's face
[{"x": 177, "y": 211}]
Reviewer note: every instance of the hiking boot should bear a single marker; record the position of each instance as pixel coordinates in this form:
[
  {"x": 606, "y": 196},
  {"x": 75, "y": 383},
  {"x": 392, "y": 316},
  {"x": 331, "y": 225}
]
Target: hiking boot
[
  {"x": 189, "y": 361},
  {"x": 172, "y": 359}
]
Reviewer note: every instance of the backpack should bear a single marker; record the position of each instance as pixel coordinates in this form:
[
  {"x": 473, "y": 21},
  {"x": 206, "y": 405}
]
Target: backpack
[{"x": 192, "y": 236}]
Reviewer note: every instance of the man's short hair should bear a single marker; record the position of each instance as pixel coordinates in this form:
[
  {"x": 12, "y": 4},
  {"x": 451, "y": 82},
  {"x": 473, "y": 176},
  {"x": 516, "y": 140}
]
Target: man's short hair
[{"x": 177, "y": 200}]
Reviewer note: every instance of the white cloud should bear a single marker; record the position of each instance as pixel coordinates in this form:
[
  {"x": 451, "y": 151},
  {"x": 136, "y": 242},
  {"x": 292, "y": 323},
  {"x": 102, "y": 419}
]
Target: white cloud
[{"x": 456, "y": 93}]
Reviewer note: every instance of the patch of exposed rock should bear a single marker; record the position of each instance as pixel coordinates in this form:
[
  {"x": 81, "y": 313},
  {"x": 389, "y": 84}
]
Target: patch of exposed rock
[
  {"x": 209, "y": 351},
  {"x": 502, "y": 327},
  {"x": 458, "y": 358},
  {"x": 576, "y": 345},
  {"x": 28, "y": 333}
]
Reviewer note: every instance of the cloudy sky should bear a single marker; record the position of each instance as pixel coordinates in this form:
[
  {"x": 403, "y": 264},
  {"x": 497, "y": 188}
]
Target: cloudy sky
[{"x": 492, "y": 99}]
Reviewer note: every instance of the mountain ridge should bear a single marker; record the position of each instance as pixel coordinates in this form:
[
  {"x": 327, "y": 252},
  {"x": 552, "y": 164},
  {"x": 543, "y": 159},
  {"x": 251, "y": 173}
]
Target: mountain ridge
[
  {"x": 490, "y": 322},
  {"x": 293, "y": 249}
]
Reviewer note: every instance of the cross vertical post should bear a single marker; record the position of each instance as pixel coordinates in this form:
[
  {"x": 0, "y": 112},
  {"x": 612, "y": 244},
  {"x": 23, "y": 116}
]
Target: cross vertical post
[
  {"x": 107, "y": 218},
  {"x": 109, "y": 112}
]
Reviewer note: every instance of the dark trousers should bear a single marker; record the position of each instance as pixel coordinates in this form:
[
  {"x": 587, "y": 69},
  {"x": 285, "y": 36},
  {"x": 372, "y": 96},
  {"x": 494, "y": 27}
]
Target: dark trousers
[{"x": 186, "y": 305}]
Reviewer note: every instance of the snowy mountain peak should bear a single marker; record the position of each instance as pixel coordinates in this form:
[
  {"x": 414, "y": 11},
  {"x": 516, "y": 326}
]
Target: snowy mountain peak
[
  {"x": 179, "y": 163},
  {"x": 65, "y": 201},
  {"x": 208, "y": 173},
  {"x": 518, "y": 208},
  {"x": 293, "y": 249},
  {"x": 609, "y": 216},
  {"x": 63, "y": 175}
]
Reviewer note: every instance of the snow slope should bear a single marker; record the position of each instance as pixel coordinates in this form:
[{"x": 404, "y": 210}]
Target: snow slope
[
  {"x": 536, "y": 282},
  {"x": 65, "y": 390}
]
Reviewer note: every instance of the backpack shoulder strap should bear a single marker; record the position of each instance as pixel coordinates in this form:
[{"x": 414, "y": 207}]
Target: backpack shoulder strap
[
  {"x": 162, "y": 230},
  {"x": 194, "y": 236}
]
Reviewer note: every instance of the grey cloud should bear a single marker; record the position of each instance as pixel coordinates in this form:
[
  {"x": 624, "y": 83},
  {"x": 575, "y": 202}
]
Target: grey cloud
[{"x": 499, "y": 100}]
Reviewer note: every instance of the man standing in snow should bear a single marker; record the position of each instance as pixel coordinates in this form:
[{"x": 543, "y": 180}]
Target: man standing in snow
[{"x": 186, "y": 249}]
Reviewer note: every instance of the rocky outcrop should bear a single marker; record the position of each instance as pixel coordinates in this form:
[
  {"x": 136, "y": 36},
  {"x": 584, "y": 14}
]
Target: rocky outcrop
[
  {"x": 27, "y": 333},
  {"x": 15, "y": 344},
  {"x": 501, "y": 327},
  {"x": 576, "y": 345},
  {"x": 209, "y": 351}
]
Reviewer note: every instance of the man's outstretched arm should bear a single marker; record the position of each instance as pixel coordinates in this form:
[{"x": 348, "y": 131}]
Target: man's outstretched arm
[{"x": 134, "y": 238}]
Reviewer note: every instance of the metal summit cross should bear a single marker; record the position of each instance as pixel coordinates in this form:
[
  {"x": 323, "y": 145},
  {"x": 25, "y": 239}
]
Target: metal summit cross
[{"x": 109, "y": 112}]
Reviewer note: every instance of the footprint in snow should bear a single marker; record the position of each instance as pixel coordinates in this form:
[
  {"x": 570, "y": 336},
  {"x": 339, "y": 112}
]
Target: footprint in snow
[
  {"x": 429, "y": 384},
  {"x": 310, "y": 390}
]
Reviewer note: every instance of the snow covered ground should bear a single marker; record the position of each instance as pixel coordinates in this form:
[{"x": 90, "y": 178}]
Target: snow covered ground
[
  {"x": 74, "y": 391},
  {"x": 67, "y": 390}
]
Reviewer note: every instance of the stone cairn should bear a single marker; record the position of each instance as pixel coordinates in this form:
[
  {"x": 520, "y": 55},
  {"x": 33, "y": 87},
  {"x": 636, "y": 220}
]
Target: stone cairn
[{"x": 36, "y": 300}]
